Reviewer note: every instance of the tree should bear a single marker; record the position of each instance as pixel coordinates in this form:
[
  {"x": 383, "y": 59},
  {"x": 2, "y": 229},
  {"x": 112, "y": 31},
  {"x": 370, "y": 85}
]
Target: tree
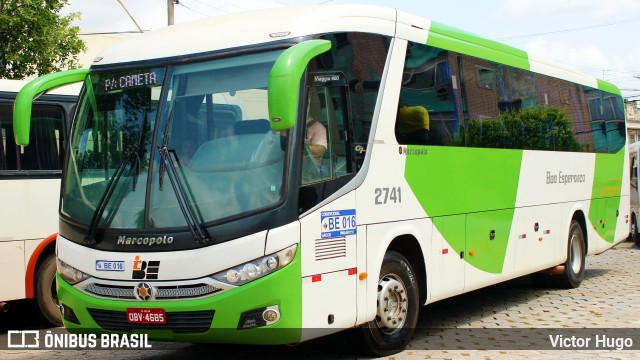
[{"x": 35, "y": 39}]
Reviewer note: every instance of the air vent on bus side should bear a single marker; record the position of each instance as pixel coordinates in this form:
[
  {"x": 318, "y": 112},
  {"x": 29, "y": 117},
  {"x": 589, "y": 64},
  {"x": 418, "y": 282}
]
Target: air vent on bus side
[{"x": 326, "y": 249}]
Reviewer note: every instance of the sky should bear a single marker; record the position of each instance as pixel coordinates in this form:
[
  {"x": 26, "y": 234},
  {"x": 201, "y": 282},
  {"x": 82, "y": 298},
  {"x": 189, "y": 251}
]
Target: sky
[{"x": 598, "y": 37}]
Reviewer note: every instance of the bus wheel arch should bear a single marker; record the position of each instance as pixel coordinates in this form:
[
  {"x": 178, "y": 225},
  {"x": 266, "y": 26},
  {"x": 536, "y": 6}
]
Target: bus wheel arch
[
  {"x": 578, "y": 216},
  {"x": 577, "y": 249},
  {"x": 44, "y": 288},
  {"x": 400, "y": 292},
  {"x": 409, "y": 247}
]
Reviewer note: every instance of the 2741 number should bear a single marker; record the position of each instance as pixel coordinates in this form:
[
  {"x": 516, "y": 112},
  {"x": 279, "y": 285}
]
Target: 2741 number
[{"x": 388, "y": 195}]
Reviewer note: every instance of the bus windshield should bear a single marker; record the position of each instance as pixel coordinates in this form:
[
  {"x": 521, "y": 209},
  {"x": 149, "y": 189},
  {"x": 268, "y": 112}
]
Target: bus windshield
[{"x": 156, "y": 147}]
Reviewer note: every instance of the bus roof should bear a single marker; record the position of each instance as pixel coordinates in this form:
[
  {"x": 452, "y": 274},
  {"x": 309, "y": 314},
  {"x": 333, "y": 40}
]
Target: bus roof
[
  {"x": 290, "y": 22},
  {"x": 14, "y": 86}
]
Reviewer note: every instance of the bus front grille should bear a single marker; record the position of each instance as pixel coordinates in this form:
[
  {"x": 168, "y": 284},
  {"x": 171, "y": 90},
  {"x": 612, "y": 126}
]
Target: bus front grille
[
  {"x": 178, "y": 322},
  {"x": 162, "y": 292}
]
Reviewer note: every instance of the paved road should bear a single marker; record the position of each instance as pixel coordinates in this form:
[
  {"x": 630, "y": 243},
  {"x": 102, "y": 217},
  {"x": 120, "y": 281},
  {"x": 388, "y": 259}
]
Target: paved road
[{"x": 608, "y": 300}]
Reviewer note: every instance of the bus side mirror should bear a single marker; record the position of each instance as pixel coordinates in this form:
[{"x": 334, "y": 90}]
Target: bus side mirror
[
  {"x": 284, "y": 82},
  {"x": 37, "y": 86}
]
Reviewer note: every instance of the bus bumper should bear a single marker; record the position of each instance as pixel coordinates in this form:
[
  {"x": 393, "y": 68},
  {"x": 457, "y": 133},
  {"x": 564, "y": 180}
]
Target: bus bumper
[{"x": 188, "y": 320}]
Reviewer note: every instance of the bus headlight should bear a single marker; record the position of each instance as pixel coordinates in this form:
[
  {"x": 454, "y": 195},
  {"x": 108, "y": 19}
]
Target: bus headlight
[
  {"x": 69, "y": 273},
  {"x": 255, "y": 269}
]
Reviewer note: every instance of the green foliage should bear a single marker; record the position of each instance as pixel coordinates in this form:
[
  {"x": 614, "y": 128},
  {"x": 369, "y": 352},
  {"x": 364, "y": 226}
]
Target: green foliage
[
  {"x": 532, "y": 129},
  {"x": 35, "y": 39}
]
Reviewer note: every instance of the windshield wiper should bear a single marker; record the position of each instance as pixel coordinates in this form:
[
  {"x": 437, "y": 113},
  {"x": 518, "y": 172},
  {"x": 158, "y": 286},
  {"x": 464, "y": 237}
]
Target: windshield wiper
[
  {"x": 131, "y": 158},
  {"x": 139, "y": 151},
  {"x": 104, "y": 200},
  {"x": 198, "y": 233},
  {"x": 169, "y": 166}
]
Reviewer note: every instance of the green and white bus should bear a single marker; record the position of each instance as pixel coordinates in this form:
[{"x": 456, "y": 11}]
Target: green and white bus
[{"x": 197, "y": 207}]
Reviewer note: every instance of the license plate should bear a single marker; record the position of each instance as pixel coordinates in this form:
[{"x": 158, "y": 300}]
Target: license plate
[
  {"x": 104, "y": 265},
  {"x": 146, "y": 316}
]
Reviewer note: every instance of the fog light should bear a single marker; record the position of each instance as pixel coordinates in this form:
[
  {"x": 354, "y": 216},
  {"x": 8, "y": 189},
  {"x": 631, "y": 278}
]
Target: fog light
[
  {"x": 68, "y": 314},
  {"x": 271, "y": 315},
  {"x": 259, "y": 317}
]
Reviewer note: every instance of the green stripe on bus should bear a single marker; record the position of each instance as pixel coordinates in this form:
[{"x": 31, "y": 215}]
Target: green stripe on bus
[
  {"x": 450, "y": 38},
  {"x": 608, "y": 87},
  {"x": 607, "y": 186},
  {"x": 482, "y": 183}
]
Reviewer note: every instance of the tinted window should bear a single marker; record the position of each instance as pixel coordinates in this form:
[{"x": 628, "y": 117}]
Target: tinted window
[
  {"x": 45, "y": 150},
  {"x": 451, "y": 99},
  {"x": 360, "y": 58},
  {"x": 427, "y": 109}
]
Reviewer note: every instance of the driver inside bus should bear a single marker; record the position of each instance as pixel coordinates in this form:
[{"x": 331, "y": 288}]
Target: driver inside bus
[
  {"x": 316, "y": 137},
  {"x": 315, "y": 132}
]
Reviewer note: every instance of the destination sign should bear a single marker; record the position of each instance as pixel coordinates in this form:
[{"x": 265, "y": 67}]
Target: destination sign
[{"x": 128, "y": 81}]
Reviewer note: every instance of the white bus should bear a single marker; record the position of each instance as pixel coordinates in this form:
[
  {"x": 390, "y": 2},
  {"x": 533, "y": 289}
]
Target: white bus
[
  {"x": 273, "y": 176},
  {"x": 30, "y": 191}
]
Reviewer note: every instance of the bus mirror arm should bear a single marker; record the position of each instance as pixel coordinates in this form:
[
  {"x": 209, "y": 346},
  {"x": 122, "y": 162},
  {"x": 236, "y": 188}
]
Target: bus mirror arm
[
  {"x": 37, "y": 86},
  {"x": 284, "y": 81}
]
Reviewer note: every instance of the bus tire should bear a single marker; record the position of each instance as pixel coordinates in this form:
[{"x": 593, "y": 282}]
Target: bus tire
[
  {"x": 397, "y": 309},
  {"x": 633, "y": 230},
  {"x": 575, "y": 264},
  {"x": 45, "y": 290}
]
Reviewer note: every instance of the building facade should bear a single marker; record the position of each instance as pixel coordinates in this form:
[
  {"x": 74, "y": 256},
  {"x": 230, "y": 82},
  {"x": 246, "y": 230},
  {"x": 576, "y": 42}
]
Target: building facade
[{"x": 633, "y": 120}]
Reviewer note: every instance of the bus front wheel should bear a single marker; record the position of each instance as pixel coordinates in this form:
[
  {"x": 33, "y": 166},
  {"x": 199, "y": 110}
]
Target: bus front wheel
[
  {"x": 45, "y": 290},
  {"x": 397, "y": 308},
  {"x": 575, "y": 264}
]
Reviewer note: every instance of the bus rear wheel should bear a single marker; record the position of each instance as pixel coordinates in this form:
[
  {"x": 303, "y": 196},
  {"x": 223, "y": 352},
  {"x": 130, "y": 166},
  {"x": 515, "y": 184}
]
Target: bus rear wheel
[
  {"x": 397, "y": 308},
  {"x": 45, "y": 290},
  {"x": 633, "y": 230},
  {"x": 575, "y": 264}
]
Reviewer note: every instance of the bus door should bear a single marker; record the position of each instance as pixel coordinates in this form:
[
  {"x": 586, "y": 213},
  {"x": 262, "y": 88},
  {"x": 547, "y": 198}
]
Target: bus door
[
  {"x": 328, "y": 216},
  {"x": 635, "y": 198}
]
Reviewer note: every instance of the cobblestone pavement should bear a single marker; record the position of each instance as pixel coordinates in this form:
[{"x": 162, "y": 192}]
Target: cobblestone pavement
[{"x": 607, "y": 300}]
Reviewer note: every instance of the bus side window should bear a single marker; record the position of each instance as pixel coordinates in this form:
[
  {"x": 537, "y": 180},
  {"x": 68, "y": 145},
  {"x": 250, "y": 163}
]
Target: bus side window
[
  {"x": 47, "y": 133},
  {"x": 427, "y": 111},
  {"x": 634, "y": 172},
  {"x": 47, "y": 140}
]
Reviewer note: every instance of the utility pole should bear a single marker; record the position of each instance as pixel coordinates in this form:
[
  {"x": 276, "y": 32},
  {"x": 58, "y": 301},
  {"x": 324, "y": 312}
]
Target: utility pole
[
  {"x": 604, "y": 73},
  {"x": 170, "y": 12}
]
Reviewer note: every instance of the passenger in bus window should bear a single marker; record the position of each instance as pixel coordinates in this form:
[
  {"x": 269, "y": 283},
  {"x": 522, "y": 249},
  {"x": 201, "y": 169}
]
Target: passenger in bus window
[{"x": 412, "y": 125}]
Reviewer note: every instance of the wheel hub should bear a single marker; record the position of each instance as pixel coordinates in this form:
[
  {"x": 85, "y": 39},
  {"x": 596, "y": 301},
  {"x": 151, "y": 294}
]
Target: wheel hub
[
  {"x": 392, "y": 303},
  {"x": 576, "y": 254}
]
